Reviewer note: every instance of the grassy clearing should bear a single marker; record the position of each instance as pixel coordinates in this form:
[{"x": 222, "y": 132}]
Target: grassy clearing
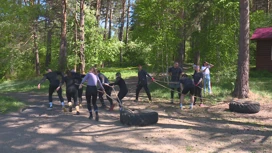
[
  {"x": 9, "y": 104},
  {"x": 260, "y": 84},
  {"x": 125, "y": 72}
]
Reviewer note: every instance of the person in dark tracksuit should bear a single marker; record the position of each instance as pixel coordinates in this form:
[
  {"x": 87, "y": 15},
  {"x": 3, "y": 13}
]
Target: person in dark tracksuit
[
  {"x": 142, "y": 82},
  {"x": 123, "y": 90},
  {"x": 187, "y": 85},
  {"x": 80, "y": 91},
  {"x": 91, "y": 91},
  {"x": 72, "y": 90},
  {"x": 105, "y": 82},
  {"x": 175, "y": 73},
  {"x": 198, "y": 75},
  {"x": 55, "y": 84}
]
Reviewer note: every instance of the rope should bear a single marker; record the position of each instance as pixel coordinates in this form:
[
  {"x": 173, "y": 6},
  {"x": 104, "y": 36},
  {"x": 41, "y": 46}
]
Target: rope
[{"x": 176, "y": 91}]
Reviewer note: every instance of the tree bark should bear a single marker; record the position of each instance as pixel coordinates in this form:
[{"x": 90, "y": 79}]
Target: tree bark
[
  {"x": 98, "y": 10},
  {"x": 127, "y": 28},
  {"x": 110, "y": 20},
  {"x": 75, "y": 38},
  {"x": 121, "y": 28},
  {"x": 63, "y": 41},
  {"x": 35, "y": 48},
  {"x": 241, "y": 89},
  {"x": 106, "y": 19},
  {"x": 81, "y": 37},
  {"x": 181, "y": 49}
]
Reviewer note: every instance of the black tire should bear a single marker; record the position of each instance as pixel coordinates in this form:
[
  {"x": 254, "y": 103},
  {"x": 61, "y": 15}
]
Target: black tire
[
  {"x": 244, "y": 107},
  {"x": 138, "y": 117}
]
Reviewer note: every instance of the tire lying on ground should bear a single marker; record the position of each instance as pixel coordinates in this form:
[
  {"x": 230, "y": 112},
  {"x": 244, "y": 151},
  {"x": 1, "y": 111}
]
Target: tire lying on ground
[
  {"x": 138, "y": 117},
  {"x": 244, "y": 107}
]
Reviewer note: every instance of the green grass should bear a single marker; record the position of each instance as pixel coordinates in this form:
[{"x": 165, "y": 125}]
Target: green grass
[
  {"x": 125, "y": 72},
  {"x": 9, "y": 104}
]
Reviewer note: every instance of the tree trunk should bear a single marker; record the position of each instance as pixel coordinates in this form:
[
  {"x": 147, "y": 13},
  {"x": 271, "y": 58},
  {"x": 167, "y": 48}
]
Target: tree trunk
[
  {"x": 127, "y": 28},
  {"x": 49, "y": 37},
  {"x": 241, "y": 89},
  {"x": 98, "y": 9},
  {"x": 110, "y": 20},
  {"x": 35, "y": 48},
  {"x": 181, "y": 49},
  {"x": 121, "y": 29},
  {"x": 75, "y": 39},
  {"x": 197, "y": 58},
  {"x": 106, "y": 19},
  {"x": 63, "y": 41},
  {"x": 81, "y": 37}
]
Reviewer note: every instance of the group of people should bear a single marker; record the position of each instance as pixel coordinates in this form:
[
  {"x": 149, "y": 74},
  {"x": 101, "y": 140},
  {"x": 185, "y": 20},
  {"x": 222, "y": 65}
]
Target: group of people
[
  {"x": 98, "y": 85},
  {"x": 74, "y": 89},
  {"x": 180, "y": 80}
]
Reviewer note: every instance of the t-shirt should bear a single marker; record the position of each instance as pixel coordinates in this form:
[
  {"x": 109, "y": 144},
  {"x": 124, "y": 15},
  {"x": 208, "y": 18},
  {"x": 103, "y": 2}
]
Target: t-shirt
[
  {"x": 53, "y": 77},
  {"x": 92, "y": 80},
  {"x": 197, "y": 76},
  {"x": 207, "y": 71},
  {"x": 175, "y": 73},
  {"x": 121, "y": 83},
  {"x": 142, "y": 77},
  {"x": 186, "y": 82},
  {"x": 101, "y": 76}
]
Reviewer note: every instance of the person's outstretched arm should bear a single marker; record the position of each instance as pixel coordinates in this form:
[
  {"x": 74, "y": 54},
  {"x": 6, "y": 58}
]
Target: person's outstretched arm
[
  {"x": 149, "y": 76},
  {"x": 42, "y": 81}
]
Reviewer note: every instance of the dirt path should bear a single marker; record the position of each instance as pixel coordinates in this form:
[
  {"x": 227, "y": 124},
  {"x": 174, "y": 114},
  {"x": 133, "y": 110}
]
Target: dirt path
[{"x": 208, "y": 129}]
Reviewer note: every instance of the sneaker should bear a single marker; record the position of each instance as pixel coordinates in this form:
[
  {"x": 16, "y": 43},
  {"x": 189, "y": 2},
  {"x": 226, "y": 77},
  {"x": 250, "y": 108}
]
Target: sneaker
[
  {"x": 136, "y": 100},
  {"x": 111, "y": 107},
  {"x": 149, "y": 101},
  {"x": 70, "y": 109},
  {"x": 96, "y": 117},
  {"x": 77, "y": 113},
  {"x": 50, "y": 108},
  {"x": 80, "y": 105},
  {"x": 91, "y": 116},
  {"x": 64, "y": 109},
  {"x": 194, "y": 103},
  {"x": 121, "y": 108},
  {"x": 191, "y": 107},
  {"x": 172, "y": 101}
]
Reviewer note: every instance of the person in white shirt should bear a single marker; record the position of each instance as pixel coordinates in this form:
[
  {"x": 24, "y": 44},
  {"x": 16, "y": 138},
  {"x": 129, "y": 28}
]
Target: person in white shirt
[{"x": 207, "y": 79}]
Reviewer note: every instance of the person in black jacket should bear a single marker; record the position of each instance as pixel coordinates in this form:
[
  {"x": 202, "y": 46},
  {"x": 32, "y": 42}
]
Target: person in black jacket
[
  {"x": 123, "y": 90},
  {"x": 142, "y": 82},
  {"x": 55, "y": 84},
  {"x": 72, "y": 90},
  {"x": 198, "y": 84},
  {"x": 80, "y": 90}
]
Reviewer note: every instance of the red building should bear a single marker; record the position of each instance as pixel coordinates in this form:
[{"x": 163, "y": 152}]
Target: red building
[{"x": 263, "y": 37}]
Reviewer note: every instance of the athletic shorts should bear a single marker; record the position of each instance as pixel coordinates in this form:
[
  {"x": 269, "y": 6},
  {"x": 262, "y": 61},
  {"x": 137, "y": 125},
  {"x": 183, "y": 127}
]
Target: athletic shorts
[{"x": 187, "y": 89}]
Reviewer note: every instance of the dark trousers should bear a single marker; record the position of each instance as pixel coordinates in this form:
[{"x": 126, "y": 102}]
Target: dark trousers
[
  {"x": 108, "y": 91},
  {"x": 52, "y": 88},
  {"x": 198, "y": 93},
  {"x": 172, "y": 92},
  {"x": 139, "y": 87},
  {"x": 72, "y": 93},
  {"x": 91, "y": 96},
  {"x": 121, "y": 94},
  {"x": 79, "y": 95}
]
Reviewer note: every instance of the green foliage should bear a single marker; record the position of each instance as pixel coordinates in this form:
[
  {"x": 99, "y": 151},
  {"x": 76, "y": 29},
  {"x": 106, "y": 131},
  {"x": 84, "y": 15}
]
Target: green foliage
[{"x": 9, "y": 104}]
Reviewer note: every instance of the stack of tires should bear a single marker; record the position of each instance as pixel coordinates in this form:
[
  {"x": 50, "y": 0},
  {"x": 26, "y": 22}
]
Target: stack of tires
[
  {"x": 244, "y": 107},
  {"x": 138, "y": 117}
]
